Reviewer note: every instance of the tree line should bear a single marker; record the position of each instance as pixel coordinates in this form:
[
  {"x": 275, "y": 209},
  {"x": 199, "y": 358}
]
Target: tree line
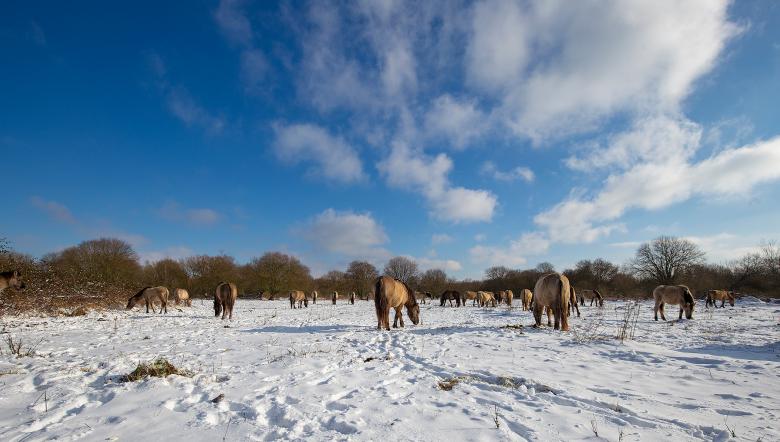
[{"x": 108, "y": 270}]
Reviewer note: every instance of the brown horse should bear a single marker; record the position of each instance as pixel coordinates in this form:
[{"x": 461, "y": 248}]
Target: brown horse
[
  {"x": 720, "y": 295},
  {"x": 508, "y": 297},
  {"x": 674, "y": 294},
  {"x": 573, "y": 302},
  {"x": 392, "y": 293},
  {"x": 499, "y": 295},
  {"x": 181, "y": 296},
  {"x": 224, "y": 298},
  {"x": 352, "y": 298},
  {"x": 149, "y": 295},
  {"x": 593, "y": 295},
  {"x": 552, "y": 291},
  {"x": 298, "y": 297},
  {"x": 314, "y": 295},
  {"x": 450, "y": 295},
  {"x": 11, "y": 279},
  {"x": 485, "y": 298},
  {"x": 333, "y": 297},
  {"x": 526, "y": 296},
  {"x": 470, "y": 295}
]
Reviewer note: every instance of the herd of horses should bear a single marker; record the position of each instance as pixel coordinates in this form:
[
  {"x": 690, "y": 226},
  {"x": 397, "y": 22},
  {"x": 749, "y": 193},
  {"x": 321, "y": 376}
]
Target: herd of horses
[{"x": 552, "y": 295}]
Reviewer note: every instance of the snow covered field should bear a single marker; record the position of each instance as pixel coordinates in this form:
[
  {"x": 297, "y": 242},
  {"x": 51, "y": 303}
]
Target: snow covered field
[{"x": 325, "y": 373}]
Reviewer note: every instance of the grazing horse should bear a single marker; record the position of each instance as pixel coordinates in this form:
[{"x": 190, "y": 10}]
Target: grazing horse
[
  {"x": 298, "y": 297},
  {"x": 552, "y": 291},
  {"x": 149, "y": 295},
  {"x": 420, "y": 297},
  {"x": 674, "y": 294},
  {"x": 526, "y": 296},
  {"x": 470, "y": 295},
  {"x": 352, "y": 298},
  {"x": 499, "y": 295},
  {"x": 333, "y": 297},
  {"x": 11, "y": 279},
  {"x": 182, "y": 296},
  {"x": 593, "y": 295},
  {"x": 224, "y": 298},
  {"x": 392, "y": 293},
  {"x": 720, "y": 295},
  {"x": 573, "y": 302},
  {"x": 450, "y": 295},
  {"x": 508, "y": 297},
  {"x": 314, "y": 295},
  {"x": 486, "y": 298}
]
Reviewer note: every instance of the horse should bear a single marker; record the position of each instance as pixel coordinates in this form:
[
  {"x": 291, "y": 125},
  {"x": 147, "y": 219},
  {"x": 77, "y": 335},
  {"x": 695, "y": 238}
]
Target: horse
[
  {"x": 593, "y": 295},
  {"x": 224, "y": 298},
  {"x": 552, "y": 291},
  {"x": 182, "y": 296},
  {"x": 314, "y": 295},
  {"x": 486, "y": 298},
  {"x": 450, "y": 295},
  {"x": 508, "y": 297},
  {"x": 499, "y": 295},
  {"x": 470, "y": 295},
  {"x": 352, "y": 298},
  {"x": 333, "y": 297},
  {"x": 299, "y": 297},
  {"x": 573, "y": 302},
  {"x": 720, "y": 295},
  {"x": 526, "y": 296},
  {"x": 674, "y": 294},
  {"x": 392, "y": 293},
  {"x": 149, "y": 295},
  {"x": 11, "y": 279}
]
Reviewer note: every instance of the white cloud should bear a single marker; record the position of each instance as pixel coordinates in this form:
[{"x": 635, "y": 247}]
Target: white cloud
[
  {"x": 448, "y": 265},
  {"x": 416, "y": 171},
  {"x": 513, "y": 255},
  {"x": 185, "y": 108},
  {"x": 520, "y": 172},
  {"x": 53, "y": 209},
  {"x": 254, "y": 67},
  {"x": 652, "y": 186},
  {"x": 441, "y": 238},
  {"x": 176, "y": 253},
  {"x": 173, "y": 211},
  {"x": 351, "y": 234},
  {"x": 459, "y": 122},
  {"x": 499, "y": 47},
  {"x": 334, "y": 159},
  {"x": 594, "y": 58},
  {"x": 233, "y": 22},
  {"x": 479, "y": 237}
]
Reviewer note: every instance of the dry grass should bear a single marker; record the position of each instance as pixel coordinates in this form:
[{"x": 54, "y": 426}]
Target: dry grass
[
  {"x": 160, "y": 368},
  {"x": 448, "y": 384}
]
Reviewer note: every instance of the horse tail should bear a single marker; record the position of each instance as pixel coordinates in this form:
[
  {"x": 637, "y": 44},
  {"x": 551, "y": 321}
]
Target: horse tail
[
  {"x": 563, "y": 303},
  {"x": 380, "y": 302}
]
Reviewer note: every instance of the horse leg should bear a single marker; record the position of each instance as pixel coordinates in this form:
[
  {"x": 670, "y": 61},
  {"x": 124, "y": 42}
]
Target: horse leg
[
  {"x": 400, "y": 313},
  {"x": 549, "y": 316},
  {"x": 537, "y": 316},
  {"x": 723, "y": 303},
  {"x": 577, "y": 308},
  {"x": 681, "y": 312},
  {"x": 661, "y": 308},
  {"x": 557, "y": 313}
]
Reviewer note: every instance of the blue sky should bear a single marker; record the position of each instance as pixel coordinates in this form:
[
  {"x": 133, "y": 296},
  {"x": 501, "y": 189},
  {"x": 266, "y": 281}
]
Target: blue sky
[{"x": 463, "y": 135}]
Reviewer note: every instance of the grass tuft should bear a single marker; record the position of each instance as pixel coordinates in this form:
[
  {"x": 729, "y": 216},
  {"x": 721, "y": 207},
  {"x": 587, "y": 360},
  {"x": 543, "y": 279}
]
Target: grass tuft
[{"x": 159, "y": 368}]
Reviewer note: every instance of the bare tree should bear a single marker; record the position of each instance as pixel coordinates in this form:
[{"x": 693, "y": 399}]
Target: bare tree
[
  {"x": 434, "y": 281},
  {"x": 361, "y": 276},
  {"x": 205, "y": 272},
  {"x": 107, "y": 262},
  {"x": 166, "y": 272},
  {"x": 545, "y": 267},
  {"x": 402, "y": 269},
  {"x": 275, "y": 273},
  {"x": 496, "y": 272},
  {"x": 665, "y": 258}
]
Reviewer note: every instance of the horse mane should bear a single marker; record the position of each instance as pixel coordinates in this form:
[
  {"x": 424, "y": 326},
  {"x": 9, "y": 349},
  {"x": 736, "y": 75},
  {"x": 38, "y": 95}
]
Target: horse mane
[
  {"x": 409, "y": 291},
  {"x": 141, "y": 291},
  {"x": 687, "y": 296},
  {"x": 598, "y": 295}
]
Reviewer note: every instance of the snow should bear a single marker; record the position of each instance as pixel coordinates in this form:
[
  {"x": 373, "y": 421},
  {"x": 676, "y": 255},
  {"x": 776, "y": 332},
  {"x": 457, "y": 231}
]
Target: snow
[{"x": 325, "y": 373}]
